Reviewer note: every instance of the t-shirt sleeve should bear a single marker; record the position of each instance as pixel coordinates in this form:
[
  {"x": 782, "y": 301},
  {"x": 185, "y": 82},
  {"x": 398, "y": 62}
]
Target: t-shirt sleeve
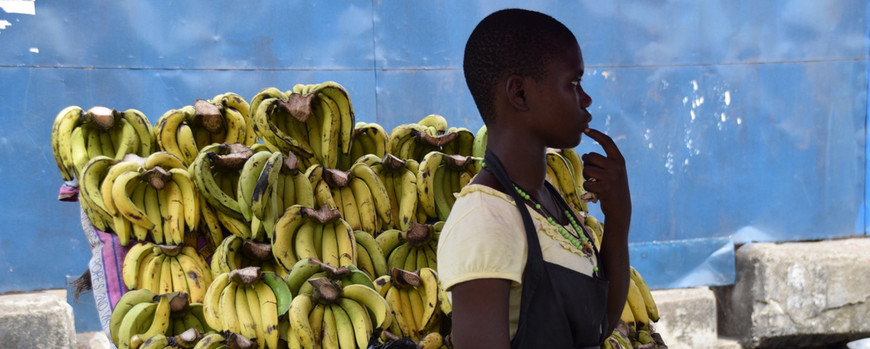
[{"x": 481, "y": 243}]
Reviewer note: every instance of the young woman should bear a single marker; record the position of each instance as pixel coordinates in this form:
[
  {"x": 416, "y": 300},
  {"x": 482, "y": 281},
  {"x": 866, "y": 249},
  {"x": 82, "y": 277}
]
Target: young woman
[{"x": 516, "y": 259}]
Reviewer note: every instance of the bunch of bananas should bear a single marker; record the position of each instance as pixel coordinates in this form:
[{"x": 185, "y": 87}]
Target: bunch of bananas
[
  {"x": 248, "y": 301},
  {"x": 565, "y": 172},
  {"x": 141, "y": 198},
  {"x": 369, "y": 255},
  {"x": 400, "y": 182},
  {"x": 78, "y": 136},
  {"x": 313, "y": 121},
  {"x": 216, "y": 171},
  {"x": 187, "y": 130},
  {"x": 411, "y": 249},
  {"x": 142, "y": 314},
  {"x": 269, "y": 183},
  {"x": 303, "y": 232},
  {"x": 415, "y": 140},
  {"x": 312, "y": 268},
  {"x": 634, "y": 329},
  {"x": 236, "y": 253},
  {"x": 368, "y": 138},
  {"x": 166, "y": 268},
  {"x": 358, "y": 194},
  {"x": 439, "y": 177},
  {"x": 417, "y": 300},
  {"x": 335, "y": 316}
]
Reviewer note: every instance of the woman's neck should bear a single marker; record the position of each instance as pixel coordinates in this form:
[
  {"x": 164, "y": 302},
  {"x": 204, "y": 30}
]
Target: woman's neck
[{"x": 524, "y": 160}]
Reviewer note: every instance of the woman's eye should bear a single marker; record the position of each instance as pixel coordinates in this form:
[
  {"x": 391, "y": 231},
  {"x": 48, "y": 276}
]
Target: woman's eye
[{"x": 575, "y": 82}]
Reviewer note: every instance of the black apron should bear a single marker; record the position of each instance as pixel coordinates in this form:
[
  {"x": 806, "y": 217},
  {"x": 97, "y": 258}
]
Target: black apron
[{"x": 560, "y": 308}]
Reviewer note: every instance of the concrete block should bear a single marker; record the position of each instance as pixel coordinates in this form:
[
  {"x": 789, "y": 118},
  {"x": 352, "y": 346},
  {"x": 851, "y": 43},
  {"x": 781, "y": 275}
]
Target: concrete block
[
  {"x": 93, "y": 340},
  {"x": 687, "y": 317},
  {"x": 797, "y": 295},
  {"x": 36, "y": 320}
]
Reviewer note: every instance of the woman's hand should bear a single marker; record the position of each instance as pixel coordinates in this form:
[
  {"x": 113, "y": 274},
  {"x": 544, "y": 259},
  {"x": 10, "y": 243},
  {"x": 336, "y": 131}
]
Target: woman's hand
[{"x": 606, "y": 177}]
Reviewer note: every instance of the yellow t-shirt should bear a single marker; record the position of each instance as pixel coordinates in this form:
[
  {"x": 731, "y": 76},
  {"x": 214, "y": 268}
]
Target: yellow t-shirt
[{"x": 484, "y": 237}]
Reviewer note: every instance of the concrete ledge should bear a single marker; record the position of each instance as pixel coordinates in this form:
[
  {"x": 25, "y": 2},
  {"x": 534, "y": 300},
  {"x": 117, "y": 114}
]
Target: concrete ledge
[
  {"x": 798, "y": 295},
  {"x": 688, "y": 317},
  {"x": 36, "y": 320}
]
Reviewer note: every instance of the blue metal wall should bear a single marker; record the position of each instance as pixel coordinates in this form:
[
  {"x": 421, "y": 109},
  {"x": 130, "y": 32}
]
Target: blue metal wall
[{"x": 741, "y": 120}]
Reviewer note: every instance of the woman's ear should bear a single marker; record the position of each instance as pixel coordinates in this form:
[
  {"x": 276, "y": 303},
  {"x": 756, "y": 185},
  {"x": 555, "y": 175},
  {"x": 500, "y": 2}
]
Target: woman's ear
[{"x": 514, "y": 89}]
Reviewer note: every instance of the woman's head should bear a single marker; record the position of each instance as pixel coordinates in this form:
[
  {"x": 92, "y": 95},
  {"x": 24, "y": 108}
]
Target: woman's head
[{"x": 510, "y": 42}]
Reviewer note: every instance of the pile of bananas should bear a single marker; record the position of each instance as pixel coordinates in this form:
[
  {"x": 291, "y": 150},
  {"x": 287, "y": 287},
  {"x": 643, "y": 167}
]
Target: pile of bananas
[
  {"x": 142, "y": 316},
  {"x": 320, "y": 231}
]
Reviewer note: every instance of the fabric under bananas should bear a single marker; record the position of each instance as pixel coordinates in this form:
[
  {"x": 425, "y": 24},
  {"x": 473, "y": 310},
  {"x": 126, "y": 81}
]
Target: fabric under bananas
[
  {"x": 248, "y": 306},
  {"x": 77, "y": 136}
]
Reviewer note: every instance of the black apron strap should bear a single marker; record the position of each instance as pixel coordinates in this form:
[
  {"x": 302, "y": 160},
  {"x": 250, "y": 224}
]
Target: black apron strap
[{"x": 535, "y": 256}]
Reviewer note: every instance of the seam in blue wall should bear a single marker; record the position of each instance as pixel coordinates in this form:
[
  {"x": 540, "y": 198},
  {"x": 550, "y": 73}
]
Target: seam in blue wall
[{"x": 864, "y": 207}]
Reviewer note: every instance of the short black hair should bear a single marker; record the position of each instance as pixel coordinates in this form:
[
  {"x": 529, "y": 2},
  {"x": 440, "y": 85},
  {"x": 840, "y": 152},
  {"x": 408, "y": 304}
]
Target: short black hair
[{"x": 510, "y": 42}]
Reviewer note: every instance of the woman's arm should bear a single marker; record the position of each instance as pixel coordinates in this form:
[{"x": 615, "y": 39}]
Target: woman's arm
[
  {"x": 607, "y": 178},
  {"x": 480, "y": 314}
]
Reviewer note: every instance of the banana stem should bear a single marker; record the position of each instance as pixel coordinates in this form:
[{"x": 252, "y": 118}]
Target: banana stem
[
  {"x": 323, "y": 215},
  {"x": 438, "y": 141},
  {"x": 247, "y": 275},
  {"x": 298, "y": 105},
  {"x": 101, "y": 116},
  {"x": 209, "y": 115}
]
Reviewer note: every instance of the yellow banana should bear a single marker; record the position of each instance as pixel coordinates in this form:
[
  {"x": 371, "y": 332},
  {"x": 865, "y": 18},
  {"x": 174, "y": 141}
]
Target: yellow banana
[
  {"x": 344, "y": 327},
  {"x": 359, "y": 317},
  {"x": 329, "y": 246},
  {"x": 300, "y": 307},
  {"x": 248, "y": 317},
  {"x": 130, "y": 268},
  {"x": 638, "y": 308},
  {"x": 379, "y": 192},
  {"x": 365, "y": 207},
  {"x": 649, "y": 303},
  {"x": 374, "y": 302},
  {"x": 166, "y": 131},
  {"x": 212, "y": 310},
  {"x": 351, "y": 212},
  {"x": 229, "y": 310},
  {"x": 120, "y": 197},
  {"x": 62, "y": 128},
  {"x": 429, "y": 292},
  {"x": 268, "y": 313},
  {"x": 329, "y": 329},
  {"x": 143, "y": 128}
]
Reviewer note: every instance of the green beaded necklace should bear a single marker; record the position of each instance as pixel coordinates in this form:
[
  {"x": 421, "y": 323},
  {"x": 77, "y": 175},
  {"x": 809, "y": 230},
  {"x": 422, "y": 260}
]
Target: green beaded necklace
[{"x": 579, "y": 241}]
